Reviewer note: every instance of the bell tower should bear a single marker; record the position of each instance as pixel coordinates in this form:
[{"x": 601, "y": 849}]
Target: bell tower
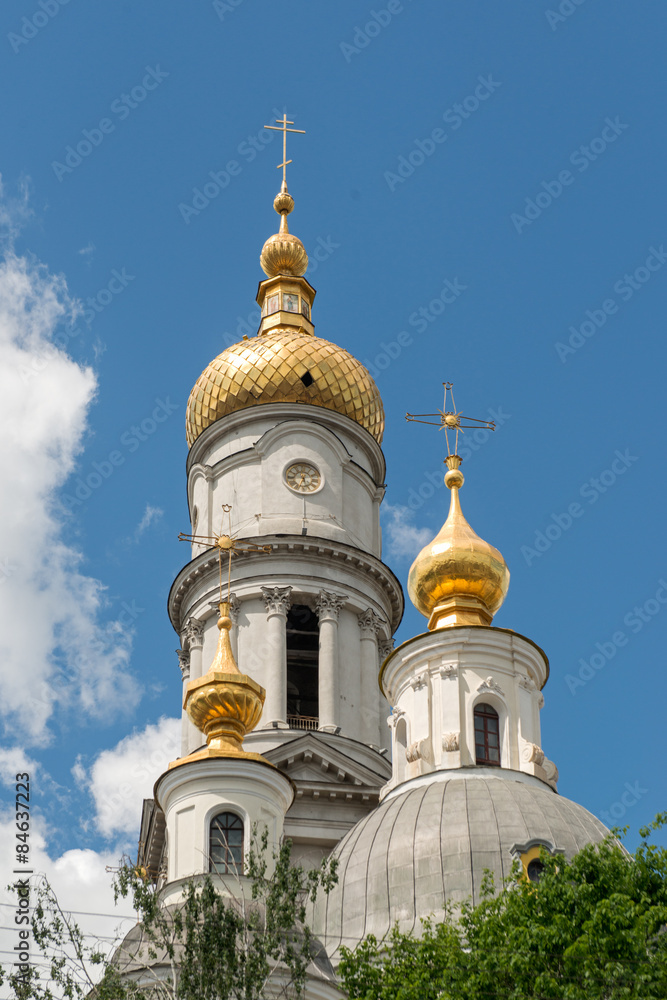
[{"x": 285, "y": 429}]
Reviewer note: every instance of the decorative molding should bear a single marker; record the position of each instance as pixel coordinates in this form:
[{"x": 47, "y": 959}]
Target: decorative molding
[
  {"x": 329, "y": 604},
  {"x": 277, "y": 600},
  {"x": 449, "y": 672},
  {"x": 397, "y": 714},
  {"x": 450, "y": 742},
  {"x": 193, "y": 633},
  {"x": 234, "y": 608},
  {"x": 420, "y": 681},
  {"x": 528, "y": 683},
  {"x": 342, "y": 558},
  {"x": 419, "y": 750},
  {"x": 540, "y": 700},
  {"x": 532, "y": 754},
  {"x": 370, "y": 623},
  {"x": 184, "y": 663},
  {"x": 490, "y": 685},
  {"x": 385, "y": 647},
  {"x": 551, "y": 772}
]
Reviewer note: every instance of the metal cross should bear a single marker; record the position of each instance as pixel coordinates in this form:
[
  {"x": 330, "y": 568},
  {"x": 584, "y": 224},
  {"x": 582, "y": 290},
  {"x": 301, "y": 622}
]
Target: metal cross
[
  {"x": 283, "y": 123},
  {"x": 225, "y": 543},
  {"x": 450, "y": 420}
]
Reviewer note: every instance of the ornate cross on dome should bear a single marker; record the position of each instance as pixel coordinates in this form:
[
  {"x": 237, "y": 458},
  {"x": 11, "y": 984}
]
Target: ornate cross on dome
[
  {"x": 282, "y": 127},
  {"x": 225, "y": 543},
  {"x": 450, "y": 420}
]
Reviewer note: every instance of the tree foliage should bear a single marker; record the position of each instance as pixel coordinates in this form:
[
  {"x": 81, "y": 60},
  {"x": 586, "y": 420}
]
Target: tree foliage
[
  {"x": 592, "y": 928},
  {"x": 229, "y": 937}
]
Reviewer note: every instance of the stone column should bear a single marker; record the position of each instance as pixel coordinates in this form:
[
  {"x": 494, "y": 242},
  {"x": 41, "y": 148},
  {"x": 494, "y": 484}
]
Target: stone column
[
  {"x": 328, "y": 608},
  {"x": 193, "y": 643},
  {"x": 369, "y": 624},
  {"x": 277, "y": 601},
  {"x": 186, "y": 725}
]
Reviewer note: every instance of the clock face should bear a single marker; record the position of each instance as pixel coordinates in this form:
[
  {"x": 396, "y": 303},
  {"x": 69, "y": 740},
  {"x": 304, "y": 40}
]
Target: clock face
[{"x": 302, "y": 477}]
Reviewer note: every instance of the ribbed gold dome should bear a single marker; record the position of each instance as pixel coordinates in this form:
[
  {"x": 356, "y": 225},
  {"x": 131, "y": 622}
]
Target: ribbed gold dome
[
  {"x": 286, "y": 365},
  {"x": 458, "y": 578}
]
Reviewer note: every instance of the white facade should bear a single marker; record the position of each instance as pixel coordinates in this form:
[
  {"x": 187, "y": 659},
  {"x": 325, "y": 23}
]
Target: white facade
[
  {"x": 192, "y": 794},
  {"x": 436, "y": 680}
]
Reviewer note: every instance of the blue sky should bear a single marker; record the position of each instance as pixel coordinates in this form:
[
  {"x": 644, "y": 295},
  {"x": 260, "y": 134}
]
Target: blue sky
[{"x": 484, "y": 185}]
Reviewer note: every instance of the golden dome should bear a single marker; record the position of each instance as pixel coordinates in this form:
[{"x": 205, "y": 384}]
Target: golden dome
[
  {"x": 286, "y": 365},
  {"x": 458, "y": 578},
  {"x": 283, "y": 253}
]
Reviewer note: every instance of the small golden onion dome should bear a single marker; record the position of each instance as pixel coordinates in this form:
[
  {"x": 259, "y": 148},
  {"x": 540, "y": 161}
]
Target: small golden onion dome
[
  {"x": 286, "y": 365},
  {"x": 225, "y": 704},
  {"x": 283, "y": 253},
  {"x": 458, "y": 578}
]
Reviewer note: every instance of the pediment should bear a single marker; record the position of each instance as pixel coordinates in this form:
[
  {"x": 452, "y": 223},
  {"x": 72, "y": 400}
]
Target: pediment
[{"x": 312, "y": 760}]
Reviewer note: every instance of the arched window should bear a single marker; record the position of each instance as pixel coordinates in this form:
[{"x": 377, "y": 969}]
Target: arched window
[
  {"x": 534, "y": 870},
  {"x": 303, "y": 641},
  {"x": 487, "y": 735},
  {"x": 225, "y": 849}
]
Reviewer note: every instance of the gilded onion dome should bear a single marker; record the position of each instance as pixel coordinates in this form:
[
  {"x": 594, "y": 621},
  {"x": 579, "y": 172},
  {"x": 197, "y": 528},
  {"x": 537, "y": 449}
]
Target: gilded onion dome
[
  {"x": 458, "y": 578},
  {"x": 285, "y": 362}
]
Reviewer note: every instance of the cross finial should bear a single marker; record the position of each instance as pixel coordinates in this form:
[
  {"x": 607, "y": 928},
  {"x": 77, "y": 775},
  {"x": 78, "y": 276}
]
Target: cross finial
[
  {"x": 225, "y": 543},
  {"x": 450, "y": 420},
  {"x": 282, "y": 127}
]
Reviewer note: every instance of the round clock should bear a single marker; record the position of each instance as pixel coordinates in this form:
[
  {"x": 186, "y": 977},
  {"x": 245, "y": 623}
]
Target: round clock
[{"x": 302, "y": 477}]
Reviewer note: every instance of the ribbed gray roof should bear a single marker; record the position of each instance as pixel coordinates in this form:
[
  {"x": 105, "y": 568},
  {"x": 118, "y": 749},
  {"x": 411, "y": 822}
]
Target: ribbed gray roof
[{"x": 431, "y": 844}]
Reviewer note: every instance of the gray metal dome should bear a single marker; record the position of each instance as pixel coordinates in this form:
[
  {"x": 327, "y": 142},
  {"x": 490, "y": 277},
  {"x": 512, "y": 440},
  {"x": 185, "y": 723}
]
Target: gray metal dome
[{"x": 429, "y": 842}]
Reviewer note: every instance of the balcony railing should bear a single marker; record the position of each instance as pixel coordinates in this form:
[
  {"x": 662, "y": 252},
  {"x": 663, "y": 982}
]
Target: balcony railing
[{"x": 302, "y": 722}]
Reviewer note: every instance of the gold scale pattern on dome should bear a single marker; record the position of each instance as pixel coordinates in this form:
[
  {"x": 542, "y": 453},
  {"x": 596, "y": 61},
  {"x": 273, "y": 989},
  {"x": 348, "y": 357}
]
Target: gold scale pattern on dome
[
  {"x": 286, "y": 363},
  {"x": 458, "y": 578}
]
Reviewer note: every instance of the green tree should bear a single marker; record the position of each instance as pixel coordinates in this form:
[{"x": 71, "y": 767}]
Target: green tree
[
  {"x": 592, "y": 928},
  {"x": 228, "y": 938}
]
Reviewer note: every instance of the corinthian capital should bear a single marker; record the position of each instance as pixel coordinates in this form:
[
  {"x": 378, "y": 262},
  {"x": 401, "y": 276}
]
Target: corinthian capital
[
  {"x": 277, "y": 600},
  {"x": 194, "y": 632},
  {"x": 328, "y": 605},
  {"x": 370, "y": 623},
  {"x": 184, "y": 663}
]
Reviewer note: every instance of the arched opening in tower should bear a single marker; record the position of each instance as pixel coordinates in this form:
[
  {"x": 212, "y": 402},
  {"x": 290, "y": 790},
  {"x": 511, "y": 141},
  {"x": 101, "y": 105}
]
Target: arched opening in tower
[{"x": 302, "y": 668}]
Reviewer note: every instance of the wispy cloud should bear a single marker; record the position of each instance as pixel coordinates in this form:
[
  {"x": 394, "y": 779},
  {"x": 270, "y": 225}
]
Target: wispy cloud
[
  {"x": 57, "y": 645},
  {"x": 401, "y": 537}
]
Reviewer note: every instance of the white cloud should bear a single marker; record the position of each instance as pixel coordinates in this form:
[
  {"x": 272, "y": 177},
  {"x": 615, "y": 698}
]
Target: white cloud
[
  {"x": 401, "y": 537},
  {"x": 151, "y": 516},
  {"x": 86, "y": 251},
  {"x": 55, "y": 646},
  {"x": 121, "y": 778},
  {"x": 14, "y": 760}
]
